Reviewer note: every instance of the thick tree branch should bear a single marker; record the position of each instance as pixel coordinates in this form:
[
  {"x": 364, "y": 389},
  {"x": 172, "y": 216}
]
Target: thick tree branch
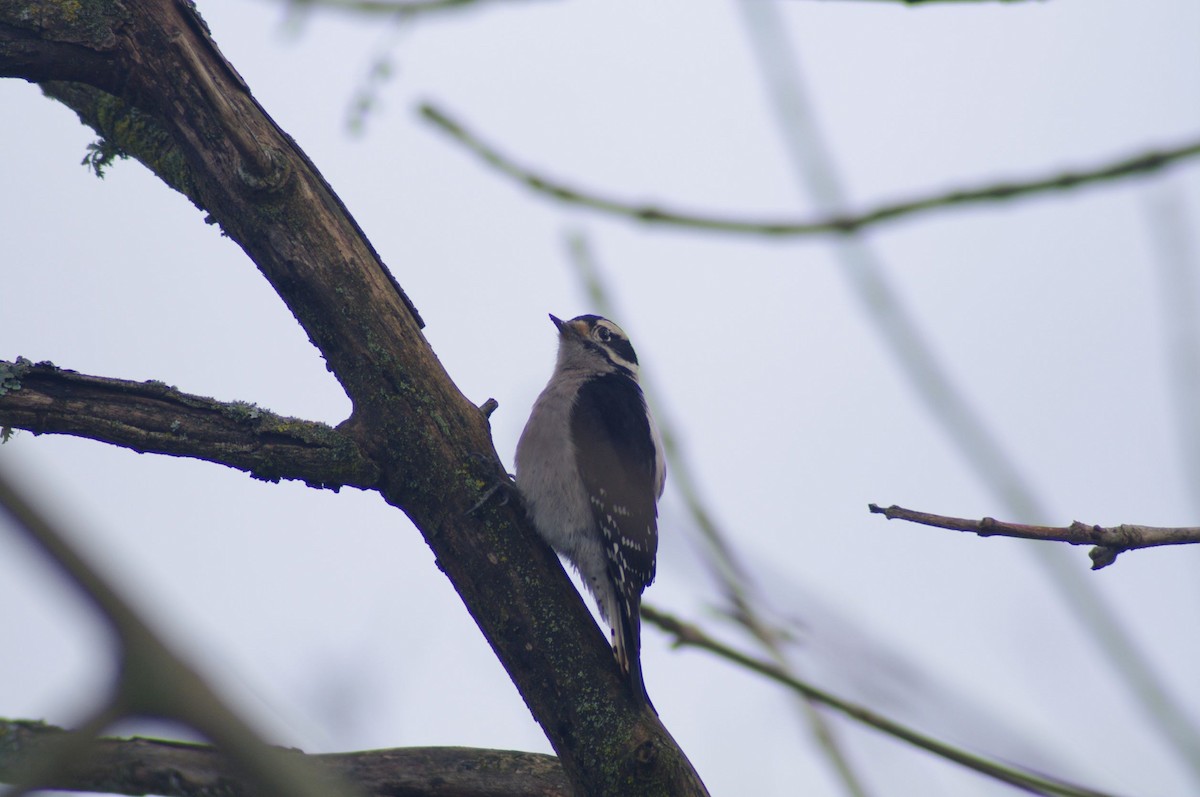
[
  {"x": 1140, "y": 164},
  {"x": 152, "y": 417},
  {"x": 431, "y": 444},
  {"x": 177, "y": 769},
  {"x": 83, "y": 45},
  {"x": 1110, "y": 541}
]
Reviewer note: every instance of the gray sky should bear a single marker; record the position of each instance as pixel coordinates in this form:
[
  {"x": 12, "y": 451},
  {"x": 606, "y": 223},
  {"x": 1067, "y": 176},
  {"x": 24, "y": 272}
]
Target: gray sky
[{"x": 322, "y": 615}]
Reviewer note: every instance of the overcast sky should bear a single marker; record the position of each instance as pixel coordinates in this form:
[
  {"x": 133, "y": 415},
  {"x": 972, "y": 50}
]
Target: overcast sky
[{"x": 323, "y": 617}]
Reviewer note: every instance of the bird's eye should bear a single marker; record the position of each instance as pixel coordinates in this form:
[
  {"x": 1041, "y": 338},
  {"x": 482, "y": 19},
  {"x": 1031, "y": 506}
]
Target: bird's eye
[{"x": 604, "y": 334}]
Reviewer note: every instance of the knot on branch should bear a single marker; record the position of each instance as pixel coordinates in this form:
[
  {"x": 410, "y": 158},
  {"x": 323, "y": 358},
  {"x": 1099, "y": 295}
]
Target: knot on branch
[
  {"x": 1103, "y": 556},
  {"x": 268, "y": 174},
  {"x": 641, "y": 765}
]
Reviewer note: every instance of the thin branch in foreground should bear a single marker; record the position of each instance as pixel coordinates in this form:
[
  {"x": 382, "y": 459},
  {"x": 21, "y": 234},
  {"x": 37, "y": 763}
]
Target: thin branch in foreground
[
  {"x": 152, "y": 681},
  {"x": 1110, "y": 541},
  {"x": 1144, "y": 163},
  {"x": 181, "y": 769},
  {"x": 688, "y": 635}
]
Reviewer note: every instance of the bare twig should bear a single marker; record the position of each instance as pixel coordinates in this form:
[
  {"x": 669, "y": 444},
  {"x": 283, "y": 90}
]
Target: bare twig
[
  {"x": 1109, "y": 540},
  {"x": 1142, "y": 163},
  {"x": 689, "y": 635}
]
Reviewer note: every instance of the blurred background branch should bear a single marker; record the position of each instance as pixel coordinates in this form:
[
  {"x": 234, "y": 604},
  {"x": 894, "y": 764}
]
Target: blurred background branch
[
  {"x": 1178, "y": 269},
  {"x": 152, "y": 681},
  {"x": 1144, "y": 163},
  {"x": 964, "y": 426},
  {"x": 688, "y": 635}
]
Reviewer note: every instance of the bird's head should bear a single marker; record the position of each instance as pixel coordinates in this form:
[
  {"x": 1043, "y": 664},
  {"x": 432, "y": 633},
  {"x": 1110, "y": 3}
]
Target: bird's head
[{"x": 593, "y": 342}]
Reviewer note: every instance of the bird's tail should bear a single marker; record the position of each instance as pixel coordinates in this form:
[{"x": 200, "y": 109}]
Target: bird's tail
[{"x": 627, "y": 644}]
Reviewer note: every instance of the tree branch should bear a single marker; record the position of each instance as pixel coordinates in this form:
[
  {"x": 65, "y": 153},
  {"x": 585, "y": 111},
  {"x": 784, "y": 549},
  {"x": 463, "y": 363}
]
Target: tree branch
[
  {"x": 432, "y": 446},
  {"x": 1140, "y": 164},
  {"x": 688, "y": 635},
  {"x": 152, "y": 417},
  {"x": 177, "y": 769},
  {"x": 1110, "y": 541},
  {"x": 47, "y": 46},
  {"x": 152, "y": 680}
]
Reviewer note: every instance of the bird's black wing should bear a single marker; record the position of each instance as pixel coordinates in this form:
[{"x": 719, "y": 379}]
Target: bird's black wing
[{"x": 614, "y": 451}]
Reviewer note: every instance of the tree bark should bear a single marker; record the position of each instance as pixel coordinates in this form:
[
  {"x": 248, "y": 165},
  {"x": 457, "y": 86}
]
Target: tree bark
[
  {"x": 153, "y": 417},
  {"x": 147, "y": 75},
  {"x": 177, "y": 769}
]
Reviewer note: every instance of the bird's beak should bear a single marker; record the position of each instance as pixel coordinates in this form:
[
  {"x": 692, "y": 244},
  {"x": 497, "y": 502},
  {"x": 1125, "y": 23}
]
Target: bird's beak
[{"x": 575, "y": 329}]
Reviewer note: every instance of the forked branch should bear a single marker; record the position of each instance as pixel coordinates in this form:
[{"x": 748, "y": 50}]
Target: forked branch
[{"x": 432, "y": 446}]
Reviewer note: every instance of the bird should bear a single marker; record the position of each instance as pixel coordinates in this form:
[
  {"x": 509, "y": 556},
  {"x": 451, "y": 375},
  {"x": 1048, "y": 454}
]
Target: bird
[{"x": 590, "y": 469}]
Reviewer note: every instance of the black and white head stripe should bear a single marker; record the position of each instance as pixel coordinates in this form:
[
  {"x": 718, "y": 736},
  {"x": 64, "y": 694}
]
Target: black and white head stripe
[{"x": 603, "y": 336}]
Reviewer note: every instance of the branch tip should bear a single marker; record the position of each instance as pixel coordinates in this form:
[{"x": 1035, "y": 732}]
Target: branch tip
[{"x": 1109, "y": 541}]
